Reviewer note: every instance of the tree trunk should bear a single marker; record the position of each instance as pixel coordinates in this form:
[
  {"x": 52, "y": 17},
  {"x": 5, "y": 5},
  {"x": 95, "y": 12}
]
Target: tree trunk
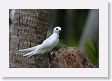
[{"x": 29, "y": 28}]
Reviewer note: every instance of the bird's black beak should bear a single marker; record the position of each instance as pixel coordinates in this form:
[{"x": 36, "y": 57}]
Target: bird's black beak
[{"x": 61, "y": 30}]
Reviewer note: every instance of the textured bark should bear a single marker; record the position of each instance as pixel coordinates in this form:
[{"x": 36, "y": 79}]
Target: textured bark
[
  {"x": 29, "y": 28},
  {"x": 69, "y": 58}
]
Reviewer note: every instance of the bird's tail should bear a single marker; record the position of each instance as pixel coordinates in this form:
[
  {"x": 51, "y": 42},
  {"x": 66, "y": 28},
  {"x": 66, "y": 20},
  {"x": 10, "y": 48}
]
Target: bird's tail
[
  {"x": 28, "y": 49},
  {"x": 30, "y": 54}
]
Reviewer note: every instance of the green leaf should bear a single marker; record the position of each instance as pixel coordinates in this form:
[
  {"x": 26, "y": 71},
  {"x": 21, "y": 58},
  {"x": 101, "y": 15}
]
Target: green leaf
[{"x": 91, "y": 51}]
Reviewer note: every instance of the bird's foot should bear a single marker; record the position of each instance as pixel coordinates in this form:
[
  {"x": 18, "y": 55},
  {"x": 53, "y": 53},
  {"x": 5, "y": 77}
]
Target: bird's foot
[
  {"x": 49, "y": 56},
  {"x": 53, "y": 54}
]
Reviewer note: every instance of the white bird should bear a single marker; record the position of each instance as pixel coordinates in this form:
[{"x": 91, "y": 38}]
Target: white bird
[{"x": 47, "y": 44}]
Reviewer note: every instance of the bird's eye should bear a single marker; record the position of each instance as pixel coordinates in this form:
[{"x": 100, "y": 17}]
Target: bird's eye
[{"x": 56, "y": 28}]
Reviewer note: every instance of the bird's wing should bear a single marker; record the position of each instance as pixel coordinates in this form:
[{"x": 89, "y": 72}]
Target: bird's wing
[
  {"x": 48, "y": 44},
  {"x": 32, "y": 53},
  {"x": 37, "y": 50},
  {"x": 30, "y": 49}
]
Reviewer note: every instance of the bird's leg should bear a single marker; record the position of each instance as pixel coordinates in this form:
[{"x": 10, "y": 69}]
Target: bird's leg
[
  {"x": 49, "y": 56},
  {"x": 53, "y": 54}
]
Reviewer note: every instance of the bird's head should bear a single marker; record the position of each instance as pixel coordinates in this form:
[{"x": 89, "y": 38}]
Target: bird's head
[{"x": 57, "y": 29}]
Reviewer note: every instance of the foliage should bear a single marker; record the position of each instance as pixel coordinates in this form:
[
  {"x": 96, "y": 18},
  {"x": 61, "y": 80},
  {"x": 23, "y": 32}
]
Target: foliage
[{"x": 91, "y": 51}]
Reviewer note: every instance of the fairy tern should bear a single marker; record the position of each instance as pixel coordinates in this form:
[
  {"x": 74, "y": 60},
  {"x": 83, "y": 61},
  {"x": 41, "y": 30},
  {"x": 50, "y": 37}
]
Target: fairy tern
[{"x": 46, "y": 46}]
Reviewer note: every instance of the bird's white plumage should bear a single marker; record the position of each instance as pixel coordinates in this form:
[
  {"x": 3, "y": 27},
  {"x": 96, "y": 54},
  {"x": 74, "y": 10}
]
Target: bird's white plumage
[{"x": 47, "y": 44}]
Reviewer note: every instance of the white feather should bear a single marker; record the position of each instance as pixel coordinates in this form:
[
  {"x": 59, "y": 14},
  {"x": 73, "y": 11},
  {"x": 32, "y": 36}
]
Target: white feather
[
  {"x": 47, "y": 44},
  {"x": 29, "y": 49}
]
